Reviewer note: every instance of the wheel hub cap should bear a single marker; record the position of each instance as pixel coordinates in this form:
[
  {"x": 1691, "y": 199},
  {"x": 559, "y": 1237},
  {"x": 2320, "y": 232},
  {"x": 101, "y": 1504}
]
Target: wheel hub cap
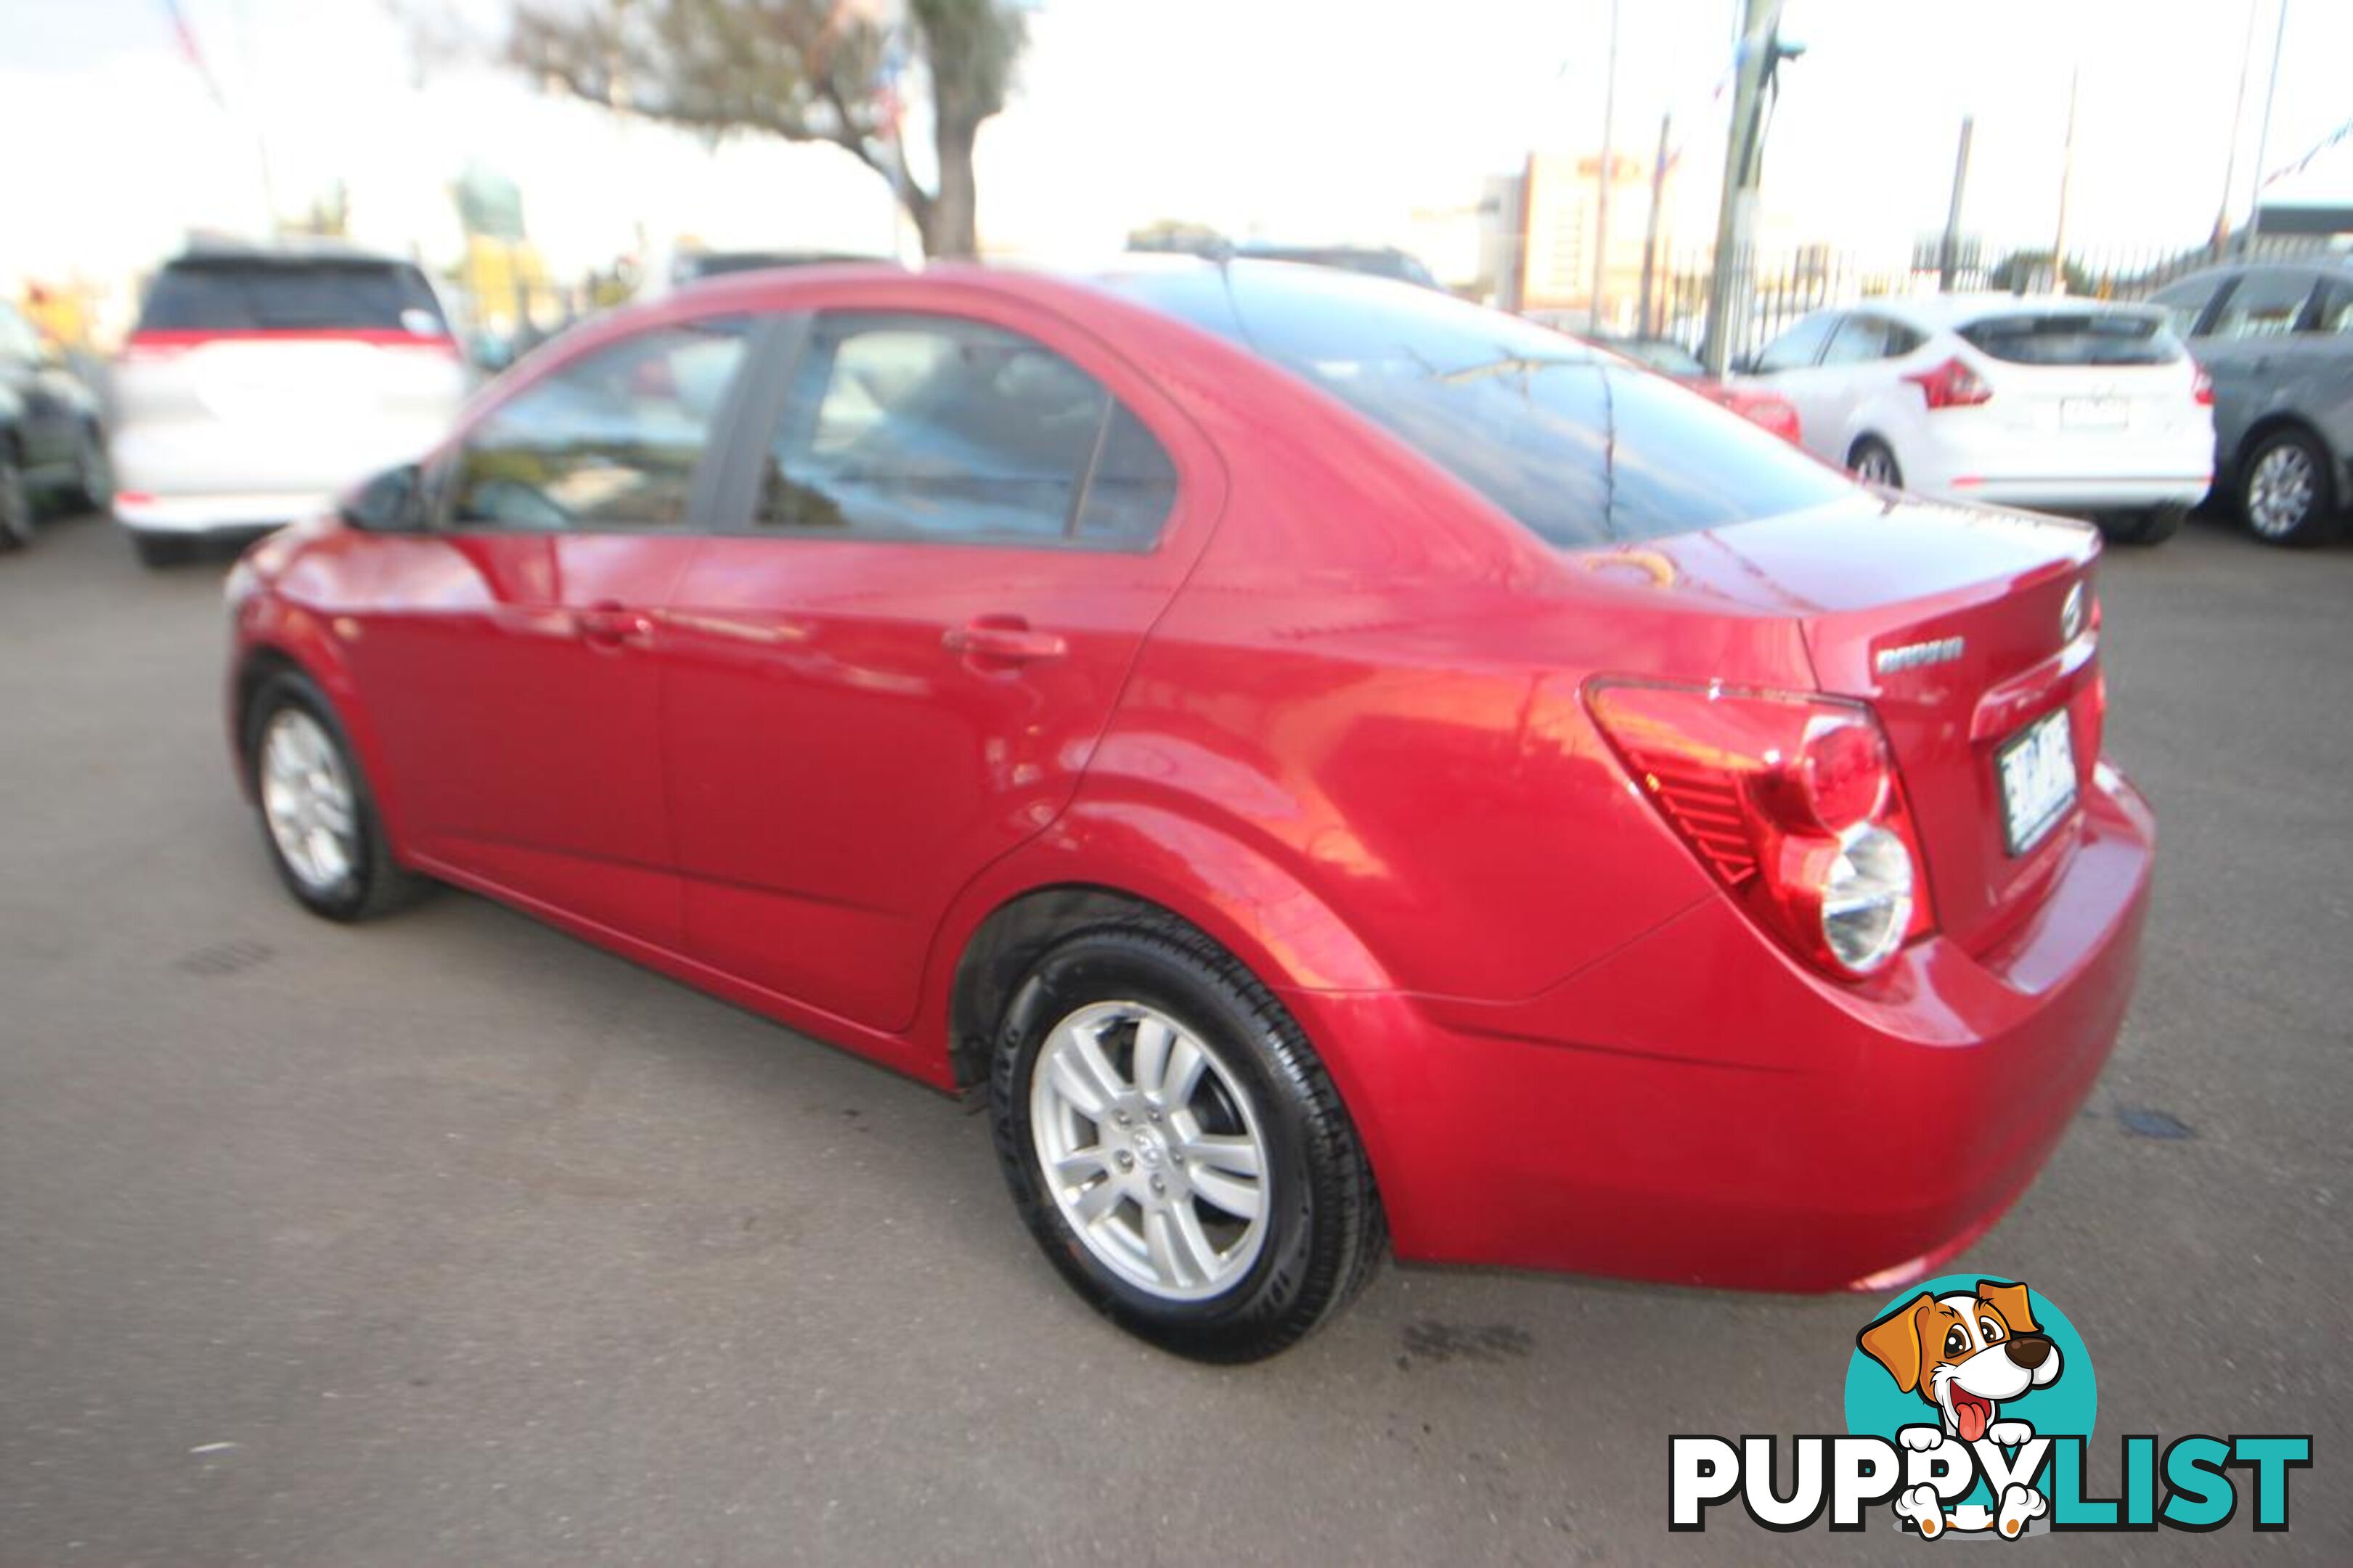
[
  {"x": 1152, "y": 1151},
  {"x": 306, "y": 799},
  {"x": 2280, "y": 492}
]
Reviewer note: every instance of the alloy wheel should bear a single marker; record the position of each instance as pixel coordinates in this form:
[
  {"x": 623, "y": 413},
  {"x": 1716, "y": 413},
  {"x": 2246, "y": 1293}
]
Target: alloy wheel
[
  {"x": 2281, "y": 490},
  {"x": 1152, "y": 1149},
  {"x": 307, "y": 800}
]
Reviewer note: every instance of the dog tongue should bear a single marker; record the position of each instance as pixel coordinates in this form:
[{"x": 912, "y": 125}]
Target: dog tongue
[{"x": 1970, "y": 1415}]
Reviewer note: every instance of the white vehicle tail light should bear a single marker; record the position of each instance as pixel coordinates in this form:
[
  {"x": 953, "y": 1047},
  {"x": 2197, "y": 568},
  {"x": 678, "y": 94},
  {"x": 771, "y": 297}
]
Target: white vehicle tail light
[
  {"x": 2201, "y": 389},
  {"x": 1951, "y": 385},
  {"x": 1792, "y": 802}
]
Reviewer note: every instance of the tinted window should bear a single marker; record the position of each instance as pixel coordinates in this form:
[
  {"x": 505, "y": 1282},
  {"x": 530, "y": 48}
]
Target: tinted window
[
  {"x": 1520, "y": 413},
  {"x": 2074, "y": 337},
  {"x": 929, "y": 427},
  {"x": 1679, "y": 462},
  {"x": 2263, "y": 305},
  {"x": 1133, "y": 486},
  {"x": 2185, "y": 301},
  {"x": 1797, "y": 347},
  {"x": 608, "y": 441},
  {"x": 242, "y": 294}
]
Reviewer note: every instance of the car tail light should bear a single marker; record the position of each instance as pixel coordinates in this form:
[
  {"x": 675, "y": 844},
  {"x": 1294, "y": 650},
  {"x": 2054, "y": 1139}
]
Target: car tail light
[
  {"x": 1951, "y": 385},
  {"x": 1791, "y": 802},
  {"x": 2202, "y": 388},
  {"x": 142, "y": 348}
]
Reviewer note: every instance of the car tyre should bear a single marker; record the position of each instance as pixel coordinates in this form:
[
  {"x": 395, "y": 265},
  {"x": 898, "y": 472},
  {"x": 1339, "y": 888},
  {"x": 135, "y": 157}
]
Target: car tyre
[
  {"x": 157, "y": 551},
  {"x": 318, "y": 815},
  {"x": 1201, "y": 1070},
  {"x": 2154, "y": 526},
  {"x": 1873, "y": 461},
  {"x": 93, "y": 486},
  {"x": 2285, "y": 495},
  {"x": 16, "y": 504}
]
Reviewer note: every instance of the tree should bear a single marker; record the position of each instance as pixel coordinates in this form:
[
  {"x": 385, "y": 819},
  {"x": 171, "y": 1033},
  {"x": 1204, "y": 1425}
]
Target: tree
[
  {"x": 806, "y": 71},
  {"x": 2021, "y": 270}
]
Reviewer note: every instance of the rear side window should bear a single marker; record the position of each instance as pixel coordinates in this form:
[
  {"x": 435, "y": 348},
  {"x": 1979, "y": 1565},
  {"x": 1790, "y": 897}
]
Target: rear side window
[
  {"x": 1580, "y": 450},
  {"x": 1798, "y": 347},
  {"x": 2263, "y": 305},
  {"x": 912, "y": 427},
  {"x": 2186, "y": 301},
  {"x": 611, "y": 440},
  {"x": 2336, "y": 310},
  {"x": 2074, "y": 337},
  {"x": 243, "y": 295},
  {"x": 1862, "y": 338}
]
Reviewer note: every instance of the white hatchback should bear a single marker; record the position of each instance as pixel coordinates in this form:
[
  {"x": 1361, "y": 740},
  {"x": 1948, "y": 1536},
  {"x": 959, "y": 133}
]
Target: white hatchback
[
  {"x": 2075, "y": 406},
  {"x": 260, "y": 382}
]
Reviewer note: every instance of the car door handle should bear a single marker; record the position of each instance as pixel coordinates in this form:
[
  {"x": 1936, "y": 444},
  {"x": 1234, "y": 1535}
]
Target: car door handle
[
  {"x": 1010, "y": 641},
  {"x": 610, "y": 624}
]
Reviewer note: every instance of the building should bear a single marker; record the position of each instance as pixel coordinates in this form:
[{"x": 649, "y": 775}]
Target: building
[{"x": 1559, "y": 219}]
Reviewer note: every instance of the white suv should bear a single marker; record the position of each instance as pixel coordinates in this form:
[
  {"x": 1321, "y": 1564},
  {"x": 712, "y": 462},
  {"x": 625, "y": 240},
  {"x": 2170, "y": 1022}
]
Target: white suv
[
  {"x": 2072, "y": 404},
  {"x": 259, "y": 383}
]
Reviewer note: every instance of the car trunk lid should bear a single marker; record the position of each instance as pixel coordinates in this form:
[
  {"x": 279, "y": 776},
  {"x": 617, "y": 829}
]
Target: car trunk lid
[{"x": 1955, "y": 626}]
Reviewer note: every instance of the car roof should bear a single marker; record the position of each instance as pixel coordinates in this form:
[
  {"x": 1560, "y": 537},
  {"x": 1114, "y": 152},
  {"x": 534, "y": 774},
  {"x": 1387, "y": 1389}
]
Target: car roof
[
  {"x": 204, "y": 249},
  {"x": 1952, "y": 311}
]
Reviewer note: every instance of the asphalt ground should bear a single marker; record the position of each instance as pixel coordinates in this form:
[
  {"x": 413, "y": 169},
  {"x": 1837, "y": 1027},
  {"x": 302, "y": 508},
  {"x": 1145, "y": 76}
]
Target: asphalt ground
[{"x": 450, "y": 1239}]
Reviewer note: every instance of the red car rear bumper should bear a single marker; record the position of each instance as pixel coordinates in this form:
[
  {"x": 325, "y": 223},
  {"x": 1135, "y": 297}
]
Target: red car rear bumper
[{"x": 1697, "y": 1107}]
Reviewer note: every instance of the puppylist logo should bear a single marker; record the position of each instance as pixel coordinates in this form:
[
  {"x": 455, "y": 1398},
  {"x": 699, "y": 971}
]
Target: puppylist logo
[{"x": 1969, "y": 1405}]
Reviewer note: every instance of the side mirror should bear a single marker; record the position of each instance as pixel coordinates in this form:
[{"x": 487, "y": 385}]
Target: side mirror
[{"x": 392, "y": 502}]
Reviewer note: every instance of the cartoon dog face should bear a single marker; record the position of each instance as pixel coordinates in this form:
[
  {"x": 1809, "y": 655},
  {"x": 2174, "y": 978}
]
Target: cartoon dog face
[{"x": 1964, "y": 1353}]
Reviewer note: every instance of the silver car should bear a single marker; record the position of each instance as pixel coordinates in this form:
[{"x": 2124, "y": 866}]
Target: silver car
[{"x": 2277, "y": 340}]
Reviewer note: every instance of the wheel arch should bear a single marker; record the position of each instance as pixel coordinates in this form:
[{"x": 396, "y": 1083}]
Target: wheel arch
[
  {"x": 2276, "y": 422},
  {"x": 293, "y": 641},
  {"x": 1129, "y": 862}
]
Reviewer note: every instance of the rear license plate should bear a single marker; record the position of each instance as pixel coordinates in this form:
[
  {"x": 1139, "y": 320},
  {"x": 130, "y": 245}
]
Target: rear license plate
[
  {"x": 2037, "y": 768},
  {"x": 2092, "y": 413}
]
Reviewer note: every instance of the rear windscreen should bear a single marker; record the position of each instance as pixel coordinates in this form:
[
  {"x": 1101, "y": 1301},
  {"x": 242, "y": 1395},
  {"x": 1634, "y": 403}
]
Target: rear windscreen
[
  {"x": 1581, "y": 449},
  {"x": 246, "y": 296},
  {"x": 2074, "y": 338}
]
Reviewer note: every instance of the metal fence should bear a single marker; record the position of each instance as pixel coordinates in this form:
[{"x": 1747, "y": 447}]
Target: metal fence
[{"x": 1813, "y": 278}]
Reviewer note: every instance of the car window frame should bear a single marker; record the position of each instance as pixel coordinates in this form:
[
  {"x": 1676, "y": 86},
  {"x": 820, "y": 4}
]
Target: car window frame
[
  {"x": 705, "y": 490},
  {"x": 2217, "y": 307},
  {"x": 769, "y": 399}
]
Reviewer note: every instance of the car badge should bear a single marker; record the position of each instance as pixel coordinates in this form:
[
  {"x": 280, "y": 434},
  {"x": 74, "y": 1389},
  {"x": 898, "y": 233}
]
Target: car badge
[{"x": 1913, "y": 656}]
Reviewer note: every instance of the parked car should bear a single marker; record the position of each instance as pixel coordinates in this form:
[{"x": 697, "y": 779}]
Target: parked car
[
  {"x": 1670, "y": 358},
  {"x": 259, "y": 383},
  {"x": 51, "y": 446},
  {"x": 2074, "y": 406},
  {"x": 1329, "y": 766},
  {"x": 1374, "y": 261},
  {"x": 2278, "y": 343}
]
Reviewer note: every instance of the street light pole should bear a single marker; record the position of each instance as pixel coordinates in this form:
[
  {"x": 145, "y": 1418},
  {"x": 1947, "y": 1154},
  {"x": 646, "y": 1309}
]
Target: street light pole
[
  {"x": 1727, "y": 294},
  {"x": 2263, "y": 138},
  {"x": 1601, "y": 195},
  {"x": 2066, "y": 183},
  {"x": 2230, "y": 159},
  {"x": 1947, "y": 257}
]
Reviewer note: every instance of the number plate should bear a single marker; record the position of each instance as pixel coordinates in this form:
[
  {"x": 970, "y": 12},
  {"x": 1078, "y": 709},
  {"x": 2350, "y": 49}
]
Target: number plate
[
  {"x": 2092, "y": 413},
  {"x": 2037, "y": 768}
]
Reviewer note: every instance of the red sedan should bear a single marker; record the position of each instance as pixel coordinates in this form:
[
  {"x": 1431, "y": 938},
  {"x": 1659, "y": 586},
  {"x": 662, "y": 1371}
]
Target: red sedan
[{"x": 1333, "y": 768}]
